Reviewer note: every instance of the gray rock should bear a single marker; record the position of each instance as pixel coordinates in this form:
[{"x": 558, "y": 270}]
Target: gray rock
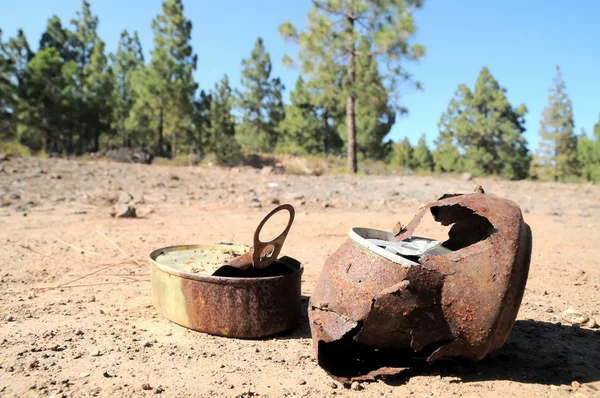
[
  {"x": 255, "y": 204},
  {"x": 123, "y": 211},
  {"x": 95, "y": 353},
  {"x": 356, "y": 386}
]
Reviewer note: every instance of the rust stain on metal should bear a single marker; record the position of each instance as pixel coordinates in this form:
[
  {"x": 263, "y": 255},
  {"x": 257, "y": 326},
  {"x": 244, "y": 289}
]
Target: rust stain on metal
[
  {"x": 226, "y": 290},
  {"x": 262, "y": 254},
  {"x": 371, "y": 316}
]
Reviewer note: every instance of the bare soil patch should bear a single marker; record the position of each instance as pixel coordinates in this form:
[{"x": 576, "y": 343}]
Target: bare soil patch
[{"x": 104, "y": 337}]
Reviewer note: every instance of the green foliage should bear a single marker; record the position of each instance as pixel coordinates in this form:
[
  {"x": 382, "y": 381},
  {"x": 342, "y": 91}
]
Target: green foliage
[
  {"x": 328, "y": 55},
  {"x": 260, "y": 102},
  {"x": 402, "y": 154},
  {"x": 375, "y": 116},
  {"x": 558, "y": 143},
  {"x": 199, "y": 138},
  {"x": 70, "y": 97},
  {"x": 222, "y": 125},
  {"x": 588, "y": 154},
  {"x": 128, "y": 60},
  {"x": 302, "y": 128},
  {"x": 14, "y": 148},
  {"x": 422, "y": 158},
  {"x": 46, "y": 110},
  {"x": 483, "y": 128},
  {"x": 99, "y": 82},
  {"x": 165, "y": 88},
  {"x": 8, "y": 93},
  {"x": 14, "y": 55}
]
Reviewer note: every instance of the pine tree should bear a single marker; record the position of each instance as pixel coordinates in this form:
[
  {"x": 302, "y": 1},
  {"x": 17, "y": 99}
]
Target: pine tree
[
  {"x": 58, "y": 37},
  {"x": 82, "y": 42},
  {"x": 422, "y": 156},
  {"x": 588, "y": 154},
  {"x": 446, "y": 157},
  {"x": 259, "y": 101},
  {"x": 165, "y": 89},
  {"x": 374, "y": 115},
  {"x": 199, "y": 140},
  {"x": 47, "y": 100},
  {"x": 483, "y": 127},
  {"x": 301, "y": 129},
  {"x": 222, "y": 124},
  {"x": 99, "y": 83},
  {"x": 7, "y": 95},
  {"x": 328, "y": 48},
  {"x": 127, "y": 60},
  {"x": 14, "y": 55},
  {"x": 84, "y": 37},
  {"x": 402, "y": 154},
  {"x": 558, "y": 143}
]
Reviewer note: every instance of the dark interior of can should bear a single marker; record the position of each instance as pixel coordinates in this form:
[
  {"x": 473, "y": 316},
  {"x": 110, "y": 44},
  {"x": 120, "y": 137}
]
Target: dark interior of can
[{"x": 277, "y": 268}]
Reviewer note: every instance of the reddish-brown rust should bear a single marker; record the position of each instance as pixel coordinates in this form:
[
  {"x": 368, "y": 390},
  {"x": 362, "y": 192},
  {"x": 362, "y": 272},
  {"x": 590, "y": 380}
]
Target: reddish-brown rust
[
  {"x": 262, "y": 254},
  {"x": 461, "y": 304},
  {"x": 245, "y": 307},
  {"x": 252, "y": 295}
]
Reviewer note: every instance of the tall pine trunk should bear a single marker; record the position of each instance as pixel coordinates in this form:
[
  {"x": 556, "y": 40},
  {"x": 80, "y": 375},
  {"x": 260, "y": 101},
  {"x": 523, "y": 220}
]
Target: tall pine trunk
[
  {"x": 326, "y": 133},
  {"x": 351, "y": 122},
  {"x": 350, "y": 100},
  {"x": 159, "y": 145},
  {"x": 96, "y": 139},
  {"x": 174, "y": 144}
]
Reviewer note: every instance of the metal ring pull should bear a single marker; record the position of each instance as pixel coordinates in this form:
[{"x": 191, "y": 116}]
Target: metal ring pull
[{"x": 264, "y": 253}]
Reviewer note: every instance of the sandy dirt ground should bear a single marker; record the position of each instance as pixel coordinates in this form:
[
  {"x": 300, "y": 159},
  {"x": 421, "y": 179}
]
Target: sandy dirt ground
[{"x": 101, "y": 335}]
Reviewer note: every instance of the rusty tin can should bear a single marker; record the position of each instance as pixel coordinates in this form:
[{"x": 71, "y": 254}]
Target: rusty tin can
[
  {"x": 374, "y": 311},
  {"x": 195, "y": 286}
]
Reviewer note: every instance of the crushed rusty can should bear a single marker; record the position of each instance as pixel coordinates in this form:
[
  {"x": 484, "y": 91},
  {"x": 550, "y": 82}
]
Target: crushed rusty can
[
  {"x": 385, "y": 299},
  {"x": 229, "y": 290}
]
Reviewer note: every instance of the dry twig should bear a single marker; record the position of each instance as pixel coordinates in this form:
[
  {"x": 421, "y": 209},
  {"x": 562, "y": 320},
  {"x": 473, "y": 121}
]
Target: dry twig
[
  {"x": 77, "y": 247},
  {"x": 93, "y": 284},
  {"x": 118, "y": 248},
  {"x": 28, "y": 247}
]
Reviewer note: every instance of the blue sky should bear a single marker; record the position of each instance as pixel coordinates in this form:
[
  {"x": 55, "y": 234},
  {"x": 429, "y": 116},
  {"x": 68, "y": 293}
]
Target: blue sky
[{"x": 519, "y": 41}]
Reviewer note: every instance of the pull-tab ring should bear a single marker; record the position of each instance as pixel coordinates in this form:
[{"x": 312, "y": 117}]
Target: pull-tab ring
[{"x": 264, "y": 253}]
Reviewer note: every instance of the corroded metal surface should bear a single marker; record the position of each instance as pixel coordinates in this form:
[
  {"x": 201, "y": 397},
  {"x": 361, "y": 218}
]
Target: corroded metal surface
[
  {"x": 371, "y": 316},
  {"x": 262, "y": 254},
  {"x": 227, "y": 290},
  {"x": 228, "y": 302}
]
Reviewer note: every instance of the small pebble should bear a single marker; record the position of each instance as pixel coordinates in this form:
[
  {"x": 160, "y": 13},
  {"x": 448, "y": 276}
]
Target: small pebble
[
  {"x": 301, "y": 382},
  {"x": 146, "y": 387},
  {"x": 356, "y": 386},
  {"x": 95, "y": 353}
]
